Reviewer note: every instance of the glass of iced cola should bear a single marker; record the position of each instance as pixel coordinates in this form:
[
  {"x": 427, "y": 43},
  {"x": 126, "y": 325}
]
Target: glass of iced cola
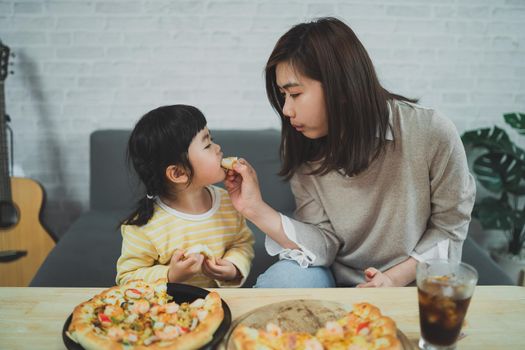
[{"x": 444, "y": 288}]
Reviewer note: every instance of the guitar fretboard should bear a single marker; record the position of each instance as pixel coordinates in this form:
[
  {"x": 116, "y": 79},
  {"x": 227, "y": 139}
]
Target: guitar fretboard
[{"x": 5, "y": 183}]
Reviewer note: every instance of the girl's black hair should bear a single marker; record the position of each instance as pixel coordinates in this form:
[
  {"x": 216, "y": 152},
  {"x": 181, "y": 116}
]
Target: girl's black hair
[
  {"x": 161, "y": 138},
  {"x": 328, "y": 51}
]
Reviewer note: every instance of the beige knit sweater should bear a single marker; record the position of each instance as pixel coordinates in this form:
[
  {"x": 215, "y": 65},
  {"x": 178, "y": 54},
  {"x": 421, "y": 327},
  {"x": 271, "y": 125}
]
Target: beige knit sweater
[{"x": 419, "y": 192}]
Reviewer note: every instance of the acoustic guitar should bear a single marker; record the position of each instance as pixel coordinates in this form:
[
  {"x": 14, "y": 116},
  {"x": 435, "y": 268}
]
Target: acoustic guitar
[{"x": 24, "y": 243}]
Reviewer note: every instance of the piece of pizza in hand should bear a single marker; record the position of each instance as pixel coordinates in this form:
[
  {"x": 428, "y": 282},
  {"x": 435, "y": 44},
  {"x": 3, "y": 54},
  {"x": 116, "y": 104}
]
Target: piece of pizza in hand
[
  {"x": 200, "y": 249},
  {"x": 229, "y": 162}
]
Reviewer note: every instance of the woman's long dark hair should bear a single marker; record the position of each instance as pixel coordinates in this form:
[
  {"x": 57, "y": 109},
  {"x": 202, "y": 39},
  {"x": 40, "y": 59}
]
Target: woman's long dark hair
[
  {"x": 161, "y": 138},
  {"x": 328, "y": 51}
]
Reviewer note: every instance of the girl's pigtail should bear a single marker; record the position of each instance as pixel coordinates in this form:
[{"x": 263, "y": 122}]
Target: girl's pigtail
[
  {"x": 144, "y": 209},
  {"x": 143, "y": 213}
]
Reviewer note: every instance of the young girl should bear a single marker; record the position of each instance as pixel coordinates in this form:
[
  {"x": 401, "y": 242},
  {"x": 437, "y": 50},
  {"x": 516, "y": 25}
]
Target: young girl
[
  {"x": 176, "y": 160},
  {"x": 379, "y": 182}
]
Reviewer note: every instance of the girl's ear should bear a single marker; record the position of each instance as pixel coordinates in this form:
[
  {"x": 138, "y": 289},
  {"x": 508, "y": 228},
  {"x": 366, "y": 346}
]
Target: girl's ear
[{"x": 176, "y": 174}]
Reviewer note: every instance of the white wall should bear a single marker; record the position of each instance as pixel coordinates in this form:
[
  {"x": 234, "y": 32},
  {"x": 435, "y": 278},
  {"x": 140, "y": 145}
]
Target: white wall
[{"x": 86, "y": 65}]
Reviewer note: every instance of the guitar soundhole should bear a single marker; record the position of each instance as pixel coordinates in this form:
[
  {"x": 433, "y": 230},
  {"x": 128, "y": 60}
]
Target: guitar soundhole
[{"x": 8, "y": 214}]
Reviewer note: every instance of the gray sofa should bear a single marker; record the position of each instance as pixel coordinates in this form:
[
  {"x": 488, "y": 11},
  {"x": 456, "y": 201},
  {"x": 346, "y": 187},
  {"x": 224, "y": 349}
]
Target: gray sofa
[{"x": 87, "y": 253}]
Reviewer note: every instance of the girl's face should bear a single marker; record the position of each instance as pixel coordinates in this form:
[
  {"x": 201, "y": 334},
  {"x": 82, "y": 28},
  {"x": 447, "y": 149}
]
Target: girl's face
[
  {"x": 304, "y": 101},
  {"x": 205, "y": 157}
]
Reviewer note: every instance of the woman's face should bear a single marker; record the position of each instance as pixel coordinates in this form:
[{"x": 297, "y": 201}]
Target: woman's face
[{"x": 304, "y": 101}]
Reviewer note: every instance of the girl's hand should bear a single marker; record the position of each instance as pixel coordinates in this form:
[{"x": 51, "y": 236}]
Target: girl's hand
[
  {"x": 376, "y": 278},
  {"x": 243, "y": 187},
  {"x": 182, "y": 269},
  {"x": 220, "y": 269}
]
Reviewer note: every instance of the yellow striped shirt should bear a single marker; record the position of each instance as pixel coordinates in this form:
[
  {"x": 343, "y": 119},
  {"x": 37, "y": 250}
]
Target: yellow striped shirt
[{"x": 147, "y": 250}]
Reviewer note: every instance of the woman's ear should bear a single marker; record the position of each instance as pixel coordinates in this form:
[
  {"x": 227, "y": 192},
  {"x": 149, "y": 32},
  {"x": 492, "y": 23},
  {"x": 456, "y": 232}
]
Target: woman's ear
[{"x": 176, "y": 174}]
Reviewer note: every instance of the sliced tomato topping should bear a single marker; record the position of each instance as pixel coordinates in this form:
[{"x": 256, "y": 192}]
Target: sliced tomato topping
[
  {"x": 361, "y": 326},
  {"x": 133, "y": 293},
  {"x": 103, "y": 318}
]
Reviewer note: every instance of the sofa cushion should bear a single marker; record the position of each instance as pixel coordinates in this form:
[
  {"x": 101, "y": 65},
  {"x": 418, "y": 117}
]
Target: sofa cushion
[{"x": 86, "y": 255}]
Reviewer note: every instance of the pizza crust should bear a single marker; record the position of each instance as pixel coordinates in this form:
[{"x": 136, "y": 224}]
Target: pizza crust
[{"x": 229, "y": 162}]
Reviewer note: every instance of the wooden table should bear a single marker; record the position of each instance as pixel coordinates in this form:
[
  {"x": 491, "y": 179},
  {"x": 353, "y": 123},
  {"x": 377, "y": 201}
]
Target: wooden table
[{"x": 32, "y": 318}]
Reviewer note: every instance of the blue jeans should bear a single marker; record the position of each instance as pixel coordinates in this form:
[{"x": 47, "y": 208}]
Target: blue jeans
[{"x": 288, "y": 274}]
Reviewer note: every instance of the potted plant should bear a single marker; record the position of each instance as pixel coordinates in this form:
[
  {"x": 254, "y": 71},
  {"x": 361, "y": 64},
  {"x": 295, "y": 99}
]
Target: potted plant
[{"x": 499, "y": 167}]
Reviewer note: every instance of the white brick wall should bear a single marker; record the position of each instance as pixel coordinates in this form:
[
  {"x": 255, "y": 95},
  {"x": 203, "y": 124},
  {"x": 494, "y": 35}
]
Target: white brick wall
[{"x": 85, "y": 65}]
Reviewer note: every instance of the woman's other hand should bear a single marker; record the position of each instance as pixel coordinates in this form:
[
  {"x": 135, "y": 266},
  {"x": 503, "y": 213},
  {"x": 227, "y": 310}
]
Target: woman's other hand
[
  {"x": 243, "y": 187},
  {"x": 397, "y": 276},
  {"x": 376, "y": 278}
]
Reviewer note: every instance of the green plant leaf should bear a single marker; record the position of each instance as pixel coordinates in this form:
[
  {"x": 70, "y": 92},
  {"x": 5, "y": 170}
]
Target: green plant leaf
[
  {"x": 516, "y": 238},
  {"x": 494, "y": 214},
  {"x": 494, "y": 140},
  {"x": 499, "y": 172},
  {"x": 516, "y": 120},
  {"x": 501, "y": 169},
  {"x": 519, "y": 220}
]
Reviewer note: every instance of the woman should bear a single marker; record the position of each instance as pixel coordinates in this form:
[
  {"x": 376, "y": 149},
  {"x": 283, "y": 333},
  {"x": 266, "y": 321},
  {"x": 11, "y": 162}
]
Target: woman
[{"x": 379, "y": 181}]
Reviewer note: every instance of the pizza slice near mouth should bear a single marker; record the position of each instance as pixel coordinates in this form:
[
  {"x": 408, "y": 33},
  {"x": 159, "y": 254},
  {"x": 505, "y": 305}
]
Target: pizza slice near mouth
[{"x": 229, "y": 162}]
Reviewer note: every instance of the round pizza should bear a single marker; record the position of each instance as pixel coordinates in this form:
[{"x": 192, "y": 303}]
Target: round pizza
[
  {"x": 138, "y": 315},
  {"x": 363, "y": 328}
]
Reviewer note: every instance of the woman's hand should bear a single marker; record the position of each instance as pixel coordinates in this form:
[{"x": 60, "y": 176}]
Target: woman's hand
[
  {"x": 182, "y": 269},
  {"x": 397, "y": 276},
  {"x": 376, "y": 278},
  {"x": 220, "y": 269},
  {"x": 243, "y": 187}
]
